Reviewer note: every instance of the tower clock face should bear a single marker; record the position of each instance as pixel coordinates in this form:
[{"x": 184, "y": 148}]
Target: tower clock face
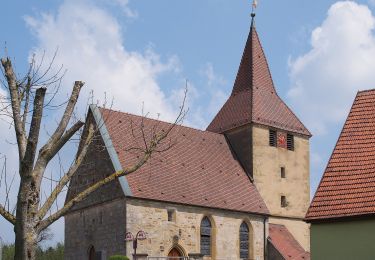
[{"x": 281, "y": 140}]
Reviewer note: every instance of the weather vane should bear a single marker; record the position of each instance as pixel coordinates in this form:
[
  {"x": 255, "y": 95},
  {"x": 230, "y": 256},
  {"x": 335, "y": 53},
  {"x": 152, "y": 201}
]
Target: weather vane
[{"x": 254, "y": 6}]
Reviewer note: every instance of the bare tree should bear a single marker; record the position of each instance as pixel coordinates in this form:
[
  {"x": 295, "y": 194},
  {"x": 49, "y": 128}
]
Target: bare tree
[{"x": 25, "y": 105}]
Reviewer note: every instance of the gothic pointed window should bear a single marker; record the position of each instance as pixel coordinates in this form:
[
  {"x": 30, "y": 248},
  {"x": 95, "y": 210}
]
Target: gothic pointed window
[
  {"x": 244, "y": 241},
  {"x": 206, "y": 234}
]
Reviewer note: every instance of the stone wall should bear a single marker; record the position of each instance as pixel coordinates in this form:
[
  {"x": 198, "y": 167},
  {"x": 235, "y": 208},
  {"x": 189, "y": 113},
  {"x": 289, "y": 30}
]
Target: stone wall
[
  {"x": 95, "y": 166},
  {"x": 184, "y": 231},
  {"x": 267, "y": 163},
  {"x": 101, "y": 226}
]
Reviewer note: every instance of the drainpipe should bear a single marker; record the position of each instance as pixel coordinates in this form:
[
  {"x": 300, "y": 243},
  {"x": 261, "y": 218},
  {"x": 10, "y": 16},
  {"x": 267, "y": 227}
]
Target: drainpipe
[
  {"x": 126, "y": 229},
  {"x": 265, "y": 239}
]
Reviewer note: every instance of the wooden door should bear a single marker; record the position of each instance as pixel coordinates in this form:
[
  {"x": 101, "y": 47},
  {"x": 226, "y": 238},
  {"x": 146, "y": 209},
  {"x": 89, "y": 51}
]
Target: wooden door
[
  {"x": 174, "y": 253},
  {"x": 92, "y": 253}
]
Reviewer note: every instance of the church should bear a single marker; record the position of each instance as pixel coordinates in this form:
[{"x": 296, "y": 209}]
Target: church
[{"x": 238, "y": 190}]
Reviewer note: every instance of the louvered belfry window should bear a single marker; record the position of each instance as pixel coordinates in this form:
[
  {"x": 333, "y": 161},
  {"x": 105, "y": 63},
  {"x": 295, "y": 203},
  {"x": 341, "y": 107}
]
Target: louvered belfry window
[
  {"x": 272, "y": 138},
  {"x": 206, "y": 230},
  {"x": 290, "y": 142},
  {"x": 244, "y": 241}
]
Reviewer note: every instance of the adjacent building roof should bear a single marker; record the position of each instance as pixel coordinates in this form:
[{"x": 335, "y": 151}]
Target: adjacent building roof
[
  {"x": 347, "y": 187},
  {"x": 198, "y": 168},
  {"x": 254, "y": 97},
  {"x": 285, "y": 243}
]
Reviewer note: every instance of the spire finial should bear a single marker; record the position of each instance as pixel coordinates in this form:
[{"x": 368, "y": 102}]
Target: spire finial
[{"x": 254, "y": 6}]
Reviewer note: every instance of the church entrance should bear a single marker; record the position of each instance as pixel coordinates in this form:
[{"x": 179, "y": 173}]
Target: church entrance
[
  {"x": 174, "y": 254},
  {"x": 92, "y": 253}
]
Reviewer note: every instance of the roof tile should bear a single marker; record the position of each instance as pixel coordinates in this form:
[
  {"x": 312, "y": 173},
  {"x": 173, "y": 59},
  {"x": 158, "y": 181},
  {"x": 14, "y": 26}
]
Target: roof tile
[
  {"x": 347, "y": 187},
  {"x": 254, "y": 97},
  {"x": 285, "y": 243},
  {"x": 199, "y": 168}
]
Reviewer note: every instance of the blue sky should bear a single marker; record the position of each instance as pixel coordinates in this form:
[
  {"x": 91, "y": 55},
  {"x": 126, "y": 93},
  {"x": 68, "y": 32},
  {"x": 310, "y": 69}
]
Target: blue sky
[{"x": 320, "y": 54}]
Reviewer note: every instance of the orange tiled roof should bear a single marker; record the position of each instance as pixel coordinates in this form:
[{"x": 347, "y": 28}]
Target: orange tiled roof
[
  {"x": 347, "y": 187},
  {"x": 199, "y": 169},
  {"x": 285, "y": 243},
  {"x": 254, "y": 97}
]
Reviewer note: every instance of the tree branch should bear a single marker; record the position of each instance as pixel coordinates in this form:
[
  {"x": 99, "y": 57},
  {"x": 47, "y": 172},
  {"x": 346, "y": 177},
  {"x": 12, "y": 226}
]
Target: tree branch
[
  {"x": 66, "y": 178},
  {"x": 8, "y": 216},
  {"x": 26, "y": 105},
  {"x": 16, "y": 106},
  {"x": 64, "y": 139},
  {"x": 36, "y": 121},
  {"x": 147, "y": 154},
  {"x": 46, "y": 152},
  {"x": 66, "y": 117}
]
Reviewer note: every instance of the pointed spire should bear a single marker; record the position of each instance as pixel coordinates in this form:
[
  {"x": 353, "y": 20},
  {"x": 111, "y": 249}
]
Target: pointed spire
[
  {"x": 254, "y": 98},
  {"x": 253, "y": 70}
]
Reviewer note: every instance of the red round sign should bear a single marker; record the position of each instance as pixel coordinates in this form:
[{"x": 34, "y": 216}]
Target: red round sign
[
  {"x": 141, "y": 235},
  {"x": 129, "y": 236}
]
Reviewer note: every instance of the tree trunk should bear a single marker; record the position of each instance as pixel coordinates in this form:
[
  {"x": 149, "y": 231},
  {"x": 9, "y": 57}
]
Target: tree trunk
[
  {"x": 25, "y": 246},
  {"x": 26, "y": 231}
]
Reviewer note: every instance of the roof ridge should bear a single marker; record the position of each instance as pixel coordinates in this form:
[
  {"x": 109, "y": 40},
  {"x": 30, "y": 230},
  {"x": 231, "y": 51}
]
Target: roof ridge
[
  {"x": 157, "y": 120},
  {"x": 366, "y": 90}
]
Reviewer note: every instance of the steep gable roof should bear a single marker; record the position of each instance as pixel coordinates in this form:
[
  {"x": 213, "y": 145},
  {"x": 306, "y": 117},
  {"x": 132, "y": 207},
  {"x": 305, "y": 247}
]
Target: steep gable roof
[
  {"x": 199, "y": 168},
  {"x": 286, "y": 244},
  {"x": 254, "y": 97},
  {"x": 347, "y": 187}
]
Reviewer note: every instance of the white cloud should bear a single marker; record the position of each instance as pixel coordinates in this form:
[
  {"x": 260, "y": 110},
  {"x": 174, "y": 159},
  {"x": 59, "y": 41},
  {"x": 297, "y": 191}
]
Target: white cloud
[
  {"x": 214, "y": 84},
  {"x": 124, "y": 4},
  {"x": 92, "y": 48},
  {"x": 340, "y": 62}
]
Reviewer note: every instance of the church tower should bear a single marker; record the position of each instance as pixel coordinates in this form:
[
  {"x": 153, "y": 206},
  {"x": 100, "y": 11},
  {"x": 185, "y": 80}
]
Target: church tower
[{"x": 269, "y": 141}]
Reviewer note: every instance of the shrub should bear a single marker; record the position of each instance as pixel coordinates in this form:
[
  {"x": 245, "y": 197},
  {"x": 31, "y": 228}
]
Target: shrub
[{"x": 118, "y": 257}]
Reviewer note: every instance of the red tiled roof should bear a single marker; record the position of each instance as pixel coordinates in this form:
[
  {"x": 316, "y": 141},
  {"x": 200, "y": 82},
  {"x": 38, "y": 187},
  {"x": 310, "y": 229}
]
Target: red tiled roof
[
  {"x": 347, "y": 187},
  {"x": 285, "y": 243},
  {"x": 254, "y": 98},
  {"x": 199, "y": 169}
]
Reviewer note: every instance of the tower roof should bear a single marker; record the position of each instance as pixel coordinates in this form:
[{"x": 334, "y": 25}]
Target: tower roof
[{"x": 254, "y": 97}]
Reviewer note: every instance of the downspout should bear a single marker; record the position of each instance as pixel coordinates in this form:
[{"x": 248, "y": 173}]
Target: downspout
[
  {"x": 264, "y": 239},
  {"x": 126, "y": 227}
]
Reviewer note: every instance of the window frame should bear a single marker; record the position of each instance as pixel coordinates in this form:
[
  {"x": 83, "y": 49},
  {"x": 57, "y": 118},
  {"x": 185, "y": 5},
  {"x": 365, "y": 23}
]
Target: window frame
[
  {"x": 246, "y": 242},
  {"x": 282, "y": 172},
  {"x": 290, "y": 142},
  {"x": 171, "y": 215},
  {"x": 206, "y": 236},
  {"x": 283, "y": 201},
  {"x": 272, "y": 138}
]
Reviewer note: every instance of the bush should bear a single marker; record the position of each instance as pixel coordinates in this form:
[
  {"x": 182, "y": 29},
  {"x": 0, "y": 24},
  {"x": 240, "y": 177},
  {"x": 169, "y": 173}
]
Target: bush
[{"x": 118, "y": 257}]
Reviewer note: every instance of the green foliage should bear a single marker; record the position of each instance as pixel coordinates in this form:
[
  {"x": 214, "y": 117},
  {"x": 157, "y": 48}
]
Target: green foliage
[
  {"x": 50, "y": 253},
  {"x": 8, "y": 252},
  {"x": 118, "y": 257}
]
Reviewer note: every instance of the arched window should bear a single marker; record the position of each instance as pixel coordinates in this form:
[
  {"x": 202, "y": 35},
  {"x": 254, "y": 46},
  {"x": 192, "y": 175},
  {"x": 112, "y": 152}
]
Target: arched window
[
  {"x": 244, "y": 241},
  {"x": 206, "y": 236},
  {"x": 91, "y": 253}
]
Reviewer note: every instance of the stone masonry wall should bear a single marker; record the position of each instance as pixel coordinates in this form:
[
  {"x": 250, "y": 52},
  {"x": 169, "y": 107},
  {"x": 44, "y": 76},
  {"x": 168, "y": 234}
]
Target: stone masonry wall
[
  {"x": 101, "y": 226},
  {"x": 184, "y": 231},
  {"x": 267, "y": 162}
]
